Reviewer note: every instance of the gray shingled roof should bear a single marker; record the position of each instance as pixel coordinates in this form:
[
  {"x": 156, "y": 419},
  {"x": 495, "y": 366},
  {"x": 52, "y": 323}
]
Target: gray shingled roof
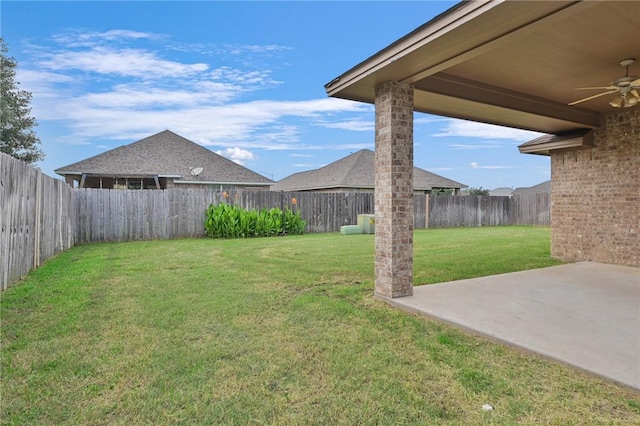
[
  {"x": 545, "y": 139},
  {"x": 356, "y": 171},
  {"x": 541, "y": 188},
  {"x": 544, "y": 144},
  {"x": 168, "y": 154},
  {"x": 501, "y": 192}
]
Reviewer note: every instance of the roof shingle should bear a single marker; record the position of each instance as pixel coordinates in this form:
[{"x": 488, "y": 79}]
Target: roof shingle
[
  {"x": 356, "y": 171},
  {"x": 168, "y": 154}
]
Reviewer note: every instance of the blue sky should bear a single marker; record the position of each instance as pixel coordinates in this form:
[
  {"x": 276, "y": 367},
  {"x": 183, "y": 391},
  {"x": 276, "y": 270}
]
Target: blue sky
[{"x": 244, "y": 79}]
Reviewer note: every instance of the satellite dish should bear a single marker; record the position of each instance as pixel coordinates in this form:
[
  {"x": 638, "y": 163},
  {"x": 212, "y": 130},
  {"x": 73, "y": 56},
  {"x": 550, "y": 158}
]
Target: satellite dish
[{"x": 196, "y": 170}]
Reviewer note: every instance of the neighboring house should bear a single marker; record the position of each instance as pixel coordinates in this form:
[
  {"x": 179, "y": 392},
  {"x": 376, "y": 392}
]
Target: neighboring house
[
  {"x": 541, "y": 188},
  {"x": 164, "y": 160},
  {"x": 501, "y": 192},
  {"x": 356, "y": 173}
]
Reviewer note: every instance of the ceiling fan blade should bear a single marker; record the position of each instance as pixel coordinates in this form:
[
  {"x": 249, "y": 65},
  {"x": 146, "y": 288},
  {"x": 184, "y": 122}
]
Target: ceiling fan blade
[
  {"x": 636, "y": 82},
  {"x": 634, "y": 92},
  {"x": 593, "y": 97},
  {"x": 597, "y": 88}
]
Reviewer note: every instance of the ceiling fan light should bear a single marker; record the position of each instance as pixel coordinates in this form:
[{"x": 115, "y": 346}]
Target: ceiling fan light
[
  {"x": 631, "y": 101},
  {"x": 617, "y": 101}
]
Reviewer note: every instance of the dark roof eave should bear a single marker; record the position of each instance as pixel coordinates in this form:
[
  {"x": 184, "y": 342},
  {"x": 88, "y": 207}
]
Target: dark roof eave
[
  {"x": 543, "y": 145},
  {"x": 212, "y": 182},
  {"x": 118, "y": 175},
  {"x": 384, "y": 55}
]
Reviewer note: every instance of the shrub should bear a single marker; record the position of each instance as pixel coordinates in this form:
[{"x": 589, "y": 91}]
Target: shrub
[{"x": 228, "y": 221}]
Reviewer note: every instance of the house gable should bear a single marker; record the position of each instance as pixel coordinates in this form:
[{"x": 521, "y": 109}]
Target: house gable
[
  {"x": 167, "y": 158},
  {"x": 356, "y": 172}
]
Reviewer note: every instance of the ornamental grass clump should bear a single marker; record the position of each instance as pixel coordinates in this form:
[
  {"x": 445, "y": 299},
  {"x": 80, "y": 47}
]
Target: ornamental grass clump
[{"x": 229, "y": 221}]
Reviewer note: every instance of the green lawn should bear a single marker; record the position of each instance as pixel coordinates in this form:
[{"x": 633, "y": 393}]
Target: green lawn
[{"x": 276, "y": 331}]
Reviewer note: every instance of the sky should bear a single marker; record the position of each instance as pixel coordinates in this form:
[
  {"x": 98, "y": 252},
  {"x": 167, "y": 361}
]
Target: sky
[{"x": 244, "y": 79}]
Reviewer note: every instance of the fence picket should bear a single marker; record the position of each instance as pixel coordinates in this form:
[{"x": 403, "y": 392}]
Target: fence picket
[{"x": 35, "y": 223}]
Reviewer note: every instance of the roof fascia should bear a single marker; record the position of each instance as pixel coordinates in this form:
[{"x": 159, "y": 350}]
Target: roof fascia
[
  {"x": 584, "y": 141},
  {"x": 315, "y": 188},
  {"x": 449, "y": 21},
  {"x": 504, "y": 39},
  {"x": 118, "y": 175},
  {"x": 454, "y": 17},
  {"x": 415, "y": 188},
  {"x": 211, "y": 182}
]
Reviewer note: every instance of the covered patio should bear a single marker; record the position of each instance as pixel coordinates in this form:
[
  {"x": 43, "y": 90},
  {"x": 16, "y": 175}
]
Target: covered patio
[
  {"x": 569, "y": 69},
  {"x": 515, "y": 64},
  {"x": 584, "y": 314}
]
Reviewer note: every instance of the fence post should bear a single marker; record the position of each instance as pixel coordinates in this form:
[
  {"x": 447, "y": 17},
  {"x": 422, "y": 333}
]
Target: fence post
[
  {"x": 426, "y": 209},
  {"x": 38, "y": 223}
]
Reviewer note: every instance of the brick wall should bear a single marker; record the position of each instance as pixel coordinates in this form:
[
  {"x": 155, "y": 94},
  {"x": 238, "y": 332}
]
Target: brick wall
[
  {"x": 394, "y": 190},
  {"x": 595, "y": 196}
]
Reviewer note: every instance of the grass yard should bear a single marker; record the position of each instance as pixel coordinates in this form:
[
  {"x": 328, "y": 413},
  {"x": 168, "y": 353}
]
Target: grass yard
[{"x": 276, "y": 331}]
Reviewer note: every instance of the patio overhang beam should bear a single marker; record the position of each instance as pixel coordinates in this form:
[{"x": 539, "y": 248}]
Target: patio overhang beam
[{"x": 453, "y": 96}]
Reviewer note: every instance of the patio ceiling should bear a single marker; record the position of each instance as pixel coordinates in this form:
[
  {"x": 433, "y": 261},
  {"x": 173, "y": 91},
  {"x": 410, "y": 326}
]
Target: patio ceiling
[{"x": 513, "y": 63}]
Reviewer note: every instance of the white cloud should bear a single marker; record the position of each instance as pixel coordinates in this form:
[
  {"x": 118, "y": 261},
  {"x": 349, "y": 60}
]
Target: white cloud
[
  {"x": 242, "y": 49},
  {"x": 475, "y": 165},
  {"x": 106, "y": 91},
  {"x": 252, "y": 78},
  {"x": 473, "y": 129},
  {"x": 77, "y": 38},
  {"x": 255, "y": 124},
  {"x": 237, "y": 155},
  {"x": 46, "y": 87},
  {"x": 253, "y": 55},
  {"x": 311, "y": 107},
  {"x": 148, "y": 96},
  {"x": 354, "y": 125},
  {"x": 34, "y": 78},
  {"x": 295, "y": 154},
  {"x": 422, "y": 119},
  {"x": 121, "y": 62},
  {"x": 472, "y": 147}
]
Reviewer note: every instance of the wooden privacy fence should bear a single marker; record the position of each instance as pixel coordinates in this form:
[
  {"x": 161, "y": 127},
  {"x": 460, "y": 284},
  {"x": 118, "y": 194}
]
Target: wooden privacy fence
[
  {"x": 483, "y": 210},
  {"x": 531, "y": 209},
  {"x": 41, "y": 216},
  {"x": 123, "y": 215},
  {"x": 37, "y": 218}
]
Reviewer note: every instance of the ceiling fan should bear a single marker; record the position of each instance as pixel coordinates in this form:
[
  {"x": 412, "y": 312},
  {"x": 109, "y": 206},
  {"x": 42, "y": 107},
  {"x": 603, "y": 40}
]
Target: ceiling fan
[{"x": 626, "y": 87}]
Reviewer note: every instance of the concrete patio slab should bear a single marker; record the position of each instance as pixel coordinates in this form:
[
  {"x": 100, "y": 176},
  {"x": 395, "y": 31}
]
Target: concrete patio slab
[{"x": 584, "y": 314}]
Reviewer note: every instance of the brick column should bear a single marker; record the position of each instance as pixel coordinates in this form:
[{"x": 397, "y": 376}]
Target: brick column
[{"x": 394, "y": 190}]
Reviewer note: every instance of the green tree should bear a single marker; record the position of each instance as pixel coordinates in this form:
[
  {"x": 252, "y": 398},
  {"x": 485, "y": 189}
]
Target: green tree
[
  {"x": 17, "y": 137},
  {"x": 442, "y": 191},
  {"x": 478, "y": 191}
]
